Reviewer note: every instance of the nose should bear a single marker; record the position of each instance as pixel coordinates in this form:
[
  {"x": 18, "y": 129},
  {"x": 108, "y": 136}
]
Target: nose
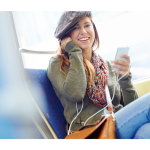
[{"x": 83, "y": 31}]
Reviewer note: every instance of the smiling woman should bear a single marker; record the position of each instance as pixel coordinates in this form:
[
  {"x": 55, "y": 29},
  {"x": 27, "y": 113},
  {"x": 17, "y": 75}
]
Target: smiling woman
[
  {"x": 83, "y": 34},
  {"x": 77, "y": 72},
  {"x": 80, "y": 76}
]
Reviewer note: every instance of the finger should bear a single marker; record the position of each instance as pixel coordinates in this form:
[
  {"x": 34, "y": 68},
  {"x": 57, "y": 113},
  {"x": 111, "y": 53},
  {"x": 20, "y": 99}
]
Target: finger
[
  {"x": 120, "y": 67},
  {"x": 120, "y": 62},
  {"x": 66, "y": 40},
  {"x": 126, "y": 57},
  {"x": 121, "y": 72}
]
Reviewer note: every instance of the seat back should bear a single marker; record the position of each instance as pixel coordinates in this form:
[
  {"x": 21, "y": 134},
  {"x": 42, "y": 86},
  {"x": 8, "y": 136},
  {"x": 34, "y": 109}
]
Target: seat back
[
  {"x": 142, "y": 86},
  {"x": 44, "y": 96}
]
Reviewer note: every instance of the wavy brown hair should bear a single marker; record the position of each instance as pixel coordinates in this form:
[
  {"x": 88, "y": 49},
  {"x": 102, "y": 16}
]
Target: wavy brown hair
[{"x": 64, "y": 58}]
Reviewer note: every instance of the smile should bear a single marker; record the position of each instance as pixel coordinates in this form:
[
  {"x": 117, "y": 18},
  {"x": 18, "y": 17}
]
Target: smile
[{"x": 84, "y": 39}]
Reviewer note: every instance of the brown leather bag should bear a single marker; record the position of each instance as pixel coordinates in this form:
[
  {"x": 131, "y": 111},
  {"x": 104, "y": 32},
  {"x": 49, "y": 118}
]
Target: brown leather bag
[{"x": 102, "y": 129}]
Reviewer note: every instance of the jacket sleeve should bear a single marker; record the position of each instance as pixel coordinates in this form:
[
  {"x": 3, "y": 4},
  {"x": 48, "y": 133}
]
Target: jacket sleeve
[
  {"x": 72, "y": 85},
  {"x": 128, "y": 89},
  {"x": 125, "y": 90}
]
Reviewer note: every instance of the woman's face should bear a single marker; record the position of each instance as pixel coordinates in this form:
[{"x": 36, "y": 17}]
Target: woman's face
[{"x": 83, "y": 34}]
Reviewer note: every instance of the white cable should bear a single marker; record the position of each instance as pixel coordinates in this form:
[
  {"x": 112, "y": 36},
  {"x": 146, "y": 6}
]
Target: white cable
[
  {"x": 77, "y": 107},
  {"x": 99, "y": 110},
  {"x": 111, "y": 99},
  {"x": 75, "y": 117}
]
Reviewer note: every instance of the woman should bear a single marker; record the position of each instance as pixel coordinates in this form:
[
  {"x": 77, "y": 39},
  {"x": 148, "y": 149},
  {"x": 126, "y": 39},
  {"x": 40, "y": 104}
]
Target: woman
[{"x": 79, "y": 75}]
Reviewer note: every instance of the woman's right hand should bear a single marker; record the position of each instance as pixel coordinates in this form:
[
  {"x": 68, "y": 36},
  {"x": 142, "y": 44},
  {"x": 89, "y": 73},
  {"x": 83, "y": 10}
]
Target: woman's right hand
[{"x": 65, "y": 41}]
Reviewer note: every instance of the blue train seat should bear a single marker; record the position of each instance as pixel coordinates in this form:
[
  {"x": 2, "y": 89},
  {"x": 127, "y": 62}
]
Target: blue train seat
[{"x": 44, "y": 96}]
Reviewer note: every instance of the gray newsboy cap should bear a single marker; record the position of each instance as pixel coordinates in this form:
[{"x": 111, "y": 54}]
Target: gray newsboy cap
[{"x": 68, "y": 20}]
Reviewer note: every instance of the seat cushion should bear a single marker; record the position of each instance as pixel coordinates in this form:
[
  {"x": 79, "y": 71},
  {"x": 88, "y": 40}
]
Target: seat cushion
[{"x": 44, "y": 95}]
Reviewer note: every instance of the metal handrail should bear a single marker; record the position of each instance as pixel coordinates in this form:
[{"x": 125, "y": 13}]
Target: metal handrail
[{"x": 23, "y": 50}]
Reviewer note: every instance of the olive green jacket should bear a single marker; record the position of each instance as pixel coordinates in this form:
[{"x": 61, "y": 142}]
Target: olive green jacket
[{"x": 71, "y": 88}]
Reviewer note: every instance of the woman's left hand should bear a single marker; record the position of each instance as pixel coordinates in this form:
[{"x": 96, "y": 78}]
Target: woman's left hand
[{"x": 123, "y": 66}]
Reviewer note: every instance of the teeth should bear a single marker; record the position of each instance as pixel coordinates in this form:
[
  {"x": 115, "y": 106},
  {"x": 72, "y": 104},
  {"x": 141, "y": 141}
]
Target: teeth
[{"x": 83, "y": 39}]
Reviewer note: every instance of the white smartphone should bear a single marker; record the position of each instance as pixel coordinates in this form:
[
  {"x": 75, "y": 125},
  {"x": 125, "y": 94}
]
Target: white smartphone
[{"x": 121, "y": 51}]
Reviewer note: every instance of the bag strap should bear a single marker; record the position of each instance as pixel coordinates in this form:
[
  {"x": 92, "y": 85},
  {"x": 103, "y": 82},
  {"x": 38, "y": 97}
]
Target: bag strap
[
  {"x": 109, "y": 103},
  {"x": 93, "y": 124}
]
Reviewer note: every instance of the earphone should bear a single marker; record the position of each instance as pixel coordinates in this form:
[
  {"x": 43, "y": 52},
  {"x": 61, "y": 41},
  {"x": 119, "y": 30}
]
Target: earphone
[
  {"x": 99, "y": 110},
  {"x": 75, "y": 116}
]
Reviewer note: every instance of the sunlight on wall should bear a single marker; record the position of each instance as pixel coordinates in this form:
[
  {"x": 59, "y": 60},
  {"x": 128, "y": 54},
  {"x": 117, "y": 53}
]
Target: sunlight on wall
[
  {"x": 38, "y": 61},
  {"x": 124, "y": 30}
]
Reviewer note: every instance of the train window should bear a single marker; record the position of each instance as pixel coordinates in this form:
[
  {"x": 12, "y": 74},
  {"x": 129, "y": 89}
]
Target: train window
[{"x": 35, "y": 31}]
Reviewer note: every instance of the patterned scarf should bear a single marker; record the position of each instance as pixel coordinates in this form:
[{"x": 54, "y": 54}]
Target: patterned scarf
[{"x": 96, "y": 91}]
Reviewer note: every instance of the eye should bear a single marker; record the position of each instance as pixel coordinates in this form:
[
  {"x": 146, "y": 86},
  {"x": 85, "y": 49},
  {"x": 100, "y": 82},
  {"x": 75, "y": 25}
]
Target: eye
[
  {"x": 87, "y": 25},
  {"x": 75, "y": 28}
]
